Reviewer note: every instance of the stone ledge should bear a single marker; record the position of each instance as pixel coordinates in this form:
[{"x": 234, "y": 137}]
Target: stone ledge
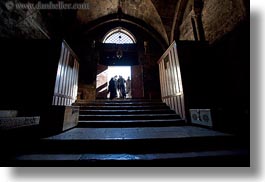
[
  {"x": 18, "y": 122},
  {"x": 8, "y": 113}
]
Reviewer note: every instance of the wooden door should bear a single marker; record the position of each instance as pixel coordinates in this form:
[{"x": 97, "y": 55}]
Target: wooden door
[
  {"x": 65, "y": 90},
  {"x": 171, "y": 81}
]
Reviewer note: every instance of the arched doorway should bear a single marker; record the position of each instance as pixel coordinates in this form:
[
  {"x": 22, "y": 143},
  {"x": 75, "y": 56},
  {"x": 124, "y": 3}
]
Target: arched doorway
[
  {"x": 119, "y": 57},
  {"x": 145, "y": 48}
]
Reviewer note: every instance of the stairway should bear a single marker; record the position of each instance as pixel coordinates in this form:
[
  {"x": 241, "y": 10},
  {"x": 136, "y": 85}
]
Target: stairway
[
  {"x": 134, "y": 133},
  {"x": 128, "y": 113}
]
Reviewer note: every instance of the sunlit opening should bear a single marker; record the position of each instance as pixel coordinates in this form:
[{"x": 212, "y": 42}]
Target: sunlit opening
[
  {"x": 104, "y": 76},
  {"x": 124, "y": 71}
]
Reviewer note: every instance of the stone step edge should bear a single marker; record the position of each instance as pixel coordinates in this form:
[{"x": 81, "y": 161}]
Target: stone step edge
[
  {"x": 128, "y": 121},
  {"x": 126, "y": 156}
]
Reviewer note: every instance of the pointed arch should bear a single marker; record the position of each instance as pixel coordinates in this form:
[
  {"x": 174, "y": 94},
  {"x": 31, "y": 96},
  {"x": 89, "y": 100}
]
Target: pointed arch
[{"x": 119, "y": 35}]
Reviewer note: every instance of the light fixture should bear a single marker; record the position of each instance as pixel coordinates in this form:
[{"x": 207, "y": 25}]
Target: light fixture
[
  {"x": 119, "y": 52},
  {"x": 145, "y": 46}
]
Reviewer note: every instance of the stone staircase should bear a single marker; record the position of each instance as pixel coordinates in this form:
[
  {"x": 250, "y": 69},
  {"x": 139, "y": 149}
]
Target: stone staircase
[
  {"x": 134, "y": 133},
  {"x": 128, "y": 113}
]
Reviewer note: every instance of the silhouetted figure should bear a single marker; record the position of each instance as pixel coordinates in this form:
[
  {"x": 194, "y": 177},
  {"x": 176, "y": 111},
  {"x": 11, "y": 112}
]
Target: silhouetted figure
[
  {"x": 121, "y": 87},
  {"x": 128, "y": 87},
  {"x": 116, "y": 83},
  {"x": 112, "y": 88}
]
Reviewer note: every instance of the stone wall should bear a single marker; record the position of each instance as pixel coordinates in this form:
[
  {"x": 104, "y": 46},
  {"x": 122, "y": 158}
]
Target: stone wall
[
  {"x": 87, "y": 92},
  {"x": 18, "y": 122},
  {"x": 186, "y": 31},
  {"x": 21, "y": 23},
  {"x": 218, "y": 18}
]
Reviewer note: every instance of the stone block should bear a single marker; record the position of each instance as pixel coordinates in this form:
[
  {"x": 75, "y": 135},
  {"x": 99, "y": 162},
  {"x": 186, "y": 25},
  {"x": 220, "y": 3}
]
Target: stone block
[
  {"x": 59, "y": 118},
  {"x": 8, "y": 113},
  {"x": 71, "y": 117},
  {"x": 18, "y": 122}
]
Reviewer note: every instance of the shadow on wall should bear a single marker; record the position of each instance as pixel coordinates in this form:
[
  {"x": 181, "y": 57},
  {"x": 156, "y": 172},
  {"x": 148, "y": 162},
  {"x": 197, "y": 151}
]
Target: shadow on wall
[{"x": 86, "y": 92}]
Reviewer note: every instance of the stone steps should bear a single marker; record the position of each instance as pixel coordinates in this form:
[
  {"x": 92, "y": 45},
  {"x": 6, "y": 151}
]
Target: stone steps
[
  {"x": 122, "y": 104},
  {"x": 133, "y": 107},
  {"x": 130, "y": 132},
  {"x": 119, "y": 117},
  {"x": 173, "y": 146},
  {"x": 104, "y": 101},
  {"x": 188, "y": 159},
  {"x": 125, "y": 112},
  {"x": 131, "y": 123},
  {"x": 136, "y": 140}
]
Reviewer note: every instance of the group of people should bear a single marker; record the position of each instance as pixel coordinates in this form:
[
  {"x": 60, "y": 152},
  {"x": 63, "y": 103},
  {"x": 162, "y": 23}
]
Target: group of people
[{"x": 119, "y": 87}]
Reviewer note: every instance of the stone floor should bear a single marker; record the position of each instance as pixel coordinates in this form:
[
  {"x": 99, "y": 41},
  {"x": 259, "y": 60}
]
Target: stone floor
[
  {"x": 155, "y": 156},
  {"x": 135, "y": 133},
  {"x": 119, "y": 133},
  {"x": 146, "y": 146}
]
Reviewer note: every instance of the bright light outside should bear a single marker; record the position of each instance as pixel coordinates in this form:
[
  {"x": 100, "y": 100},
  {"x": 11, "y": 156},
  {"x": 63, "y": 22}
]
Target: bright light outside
[
  {"x": 104, "y": 77},
  {"x": 124, "y": 71}
]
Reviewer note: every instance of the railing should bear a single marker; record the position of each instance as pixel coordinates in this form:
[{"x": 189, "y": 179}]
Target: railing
[
  {"x": 66, "y": 84},
  {"x": 170, "y": 80}
]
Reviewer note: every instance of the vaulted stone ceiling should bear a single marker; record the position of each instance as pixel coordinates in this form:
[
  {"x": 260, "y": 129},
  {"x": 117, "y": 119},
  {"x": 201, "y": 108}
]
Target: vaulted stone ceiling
[
  {"x": 141, "y": 9},
  {"x": 159, "y": 14},
  {"x": 170, "y": 19},
  {"x": 167, "y": 10}
]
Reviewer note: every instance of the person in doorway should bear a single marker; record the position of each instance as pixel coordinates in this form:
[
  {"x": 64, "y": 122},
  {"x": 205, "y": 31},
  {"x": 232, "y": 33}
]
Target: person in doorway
[
  {"x": 112, "y": 89},
  {"x": 116, "y": 85},
  {"x": 128, "y": 87},
  {"x": 121, "y": 87}
]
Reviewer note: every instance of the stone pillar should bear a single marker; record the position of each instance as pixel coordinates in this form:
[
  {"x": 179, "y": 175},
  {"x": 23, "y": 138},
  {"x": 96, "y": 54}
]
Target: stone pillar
[{"x": 197, "y": 17}]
